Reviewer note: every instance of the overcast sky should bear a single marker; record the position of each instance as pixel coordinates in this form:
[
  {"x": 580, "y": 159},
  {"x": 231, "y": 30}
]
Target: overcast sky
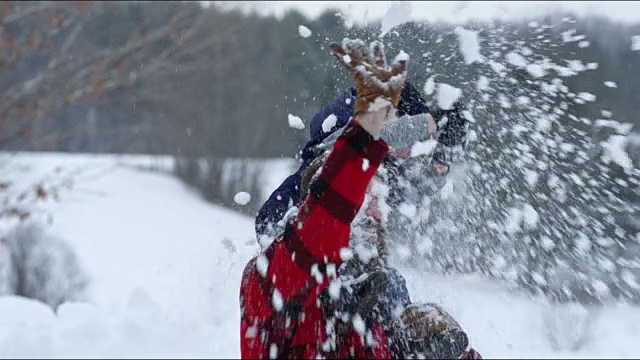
[{"x": 454, "y": 11}]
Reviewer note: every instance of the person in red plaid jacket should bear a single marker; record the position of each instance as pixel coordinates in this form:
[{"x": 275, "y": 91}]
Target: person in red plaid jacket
[{"x": 288, "y": 306}]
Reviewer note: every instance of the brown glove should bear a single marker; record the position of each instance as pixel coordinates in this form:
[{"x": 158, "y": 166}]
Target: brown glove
[
  {"x": 375, "y": 81},
  {"x": 428, "y": 330}
]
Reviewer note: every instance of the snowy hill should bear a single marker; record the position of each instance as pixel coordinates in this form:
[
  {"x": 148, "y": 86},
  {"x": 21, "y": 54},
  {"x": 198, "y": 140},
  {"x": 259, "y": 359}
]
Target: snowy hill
[{"x": 166, "y": 267}]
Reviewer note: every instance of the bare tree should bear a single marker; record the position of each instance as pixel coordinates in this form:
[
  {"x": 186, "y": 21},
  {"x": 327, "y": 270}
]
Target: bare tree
[{"x": 63, "y": 70}]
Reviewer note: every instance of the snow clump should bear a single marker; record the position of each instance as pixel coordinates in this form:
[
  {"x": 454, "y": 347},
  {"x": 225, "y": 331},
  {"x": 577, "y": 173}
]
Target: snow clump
[
  {"x": 304, "y": 31},
  {"x": 295, "y": 122},
  {"x": 242, "y": 198}
]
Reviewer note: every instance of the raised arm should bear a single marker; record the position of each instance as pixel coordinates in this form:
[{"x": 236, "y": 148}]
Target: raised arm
[
  {"x": 312, "y": 242},
  {"x": 298, "y": 265}
]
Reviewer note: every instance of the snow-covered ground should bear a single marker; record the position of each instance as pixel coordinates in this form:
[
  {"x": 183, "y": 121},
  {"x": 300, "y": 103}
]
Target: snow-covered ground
[{"x": 166, "y": 267}]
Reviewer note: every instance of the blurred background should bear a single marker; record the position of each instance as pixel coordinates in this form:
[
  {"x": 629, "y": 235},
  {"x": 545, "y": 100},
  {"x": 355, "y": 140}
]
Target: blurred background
[
  {"x": 218, "y": 79},
  {"x": 548, "y": 193}
]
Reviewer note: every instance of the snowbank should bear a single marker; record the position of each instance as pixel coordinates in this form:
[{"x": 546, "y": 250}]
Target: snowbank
[
  {"x": 166, "y": 269},
  {"x": 507, "y": 323},
  {"x": 78, "y": 330}
]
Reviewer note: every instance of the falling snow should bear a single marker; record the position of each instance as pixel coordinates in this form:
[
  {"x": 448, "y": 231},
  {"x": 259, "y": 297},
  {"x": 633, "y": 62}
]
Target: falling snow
[
  {"x": 242, "y": 198},
  {"x": 304, "y": 31},
  {"x": 329, "y": 123},
  {"x": 295, "y": 122},
  {"x": 469, "y": 45}
]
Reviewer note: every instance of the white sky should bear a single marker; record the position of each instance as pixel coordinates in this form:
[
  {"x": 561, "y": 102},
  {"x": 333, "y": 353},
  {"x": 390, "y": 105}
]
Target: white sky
[{"x": 453, "y": 11}]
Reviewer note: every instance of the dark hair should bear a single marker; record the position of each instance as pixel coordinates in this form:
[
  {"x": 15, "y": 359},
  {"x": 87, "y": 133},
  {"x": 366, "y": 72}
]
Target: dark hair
[{"x": 307, "y": 174}]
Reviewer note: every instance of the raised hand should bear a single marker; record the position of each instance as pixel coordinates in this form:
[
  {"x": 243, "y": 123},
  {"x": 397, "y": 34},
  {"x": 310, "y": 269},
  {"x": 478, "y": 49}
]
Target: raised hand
[{"x": 378, "y": 86}]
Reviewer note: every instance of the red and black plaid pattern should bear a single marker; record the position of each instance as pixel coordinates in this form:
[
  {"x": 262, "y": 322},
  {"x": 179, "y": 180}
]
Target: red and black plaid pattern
[{"x": 281, "y": 312}]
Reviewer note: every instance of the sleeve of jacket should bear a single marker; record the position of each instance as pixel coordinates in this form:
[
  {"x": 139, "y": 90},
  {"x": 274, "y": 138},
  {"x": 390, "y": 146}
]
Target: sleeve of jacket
[
  {"x": 314, "y": 238},
  {"x": 298, "y": 265}
]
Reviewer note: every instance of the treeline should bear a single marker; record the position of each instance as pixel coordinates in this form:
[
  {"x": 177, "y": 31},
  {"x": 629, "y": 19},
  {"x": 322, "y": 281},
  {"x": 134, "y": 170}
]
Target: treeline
[
  {"x": 175, "y": 78},
  {"x": 207, "y": 86},
  {"x": 251, "y": 72},
  {"x": 230, "y": 98}
]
